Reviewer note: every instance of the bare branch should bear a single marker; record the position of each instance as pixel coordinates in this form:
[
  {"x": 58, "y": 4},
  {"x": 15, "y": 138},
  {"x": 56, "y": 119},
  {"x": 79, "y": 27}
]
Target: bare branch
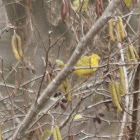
[
  {"x": 45, "y": 96},
  {"x": 136, "y": 96},
  {"x": 127, "y": 100}
]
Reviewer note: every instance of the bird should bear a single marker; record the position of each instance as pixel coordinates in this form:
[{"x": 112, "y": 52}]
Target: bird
[{"x": 83, "y": 67}]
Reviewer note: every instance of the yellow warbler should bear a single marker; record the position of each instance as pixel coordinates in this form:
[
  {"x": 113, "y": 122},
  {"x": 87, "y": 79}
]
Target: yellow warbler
[{"x": 87, "y": 62}]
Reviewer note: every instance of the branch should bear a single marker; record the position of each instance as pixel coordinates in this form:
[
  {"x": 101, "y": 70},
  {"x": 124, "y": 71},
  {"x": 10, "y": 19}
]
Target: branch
[
  {"x": 125, "y": 114},
  {"x": 45, "y": 96},
  {"x": 136, "y": 96}
]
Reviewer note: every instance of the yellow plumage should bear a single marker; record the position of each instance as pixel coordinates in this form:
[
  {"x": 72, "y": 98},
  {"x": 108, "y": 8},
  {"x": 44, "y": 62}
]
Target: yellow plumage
[{"x": 87, "y": 62}]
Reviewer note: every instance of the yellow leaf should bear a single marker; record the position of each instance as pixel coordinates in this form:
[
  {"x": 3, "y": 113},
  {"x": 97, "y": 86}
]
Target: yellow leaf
[
  {"x": 54, "y": 134},
  {"x": 114, "y": 96},
  {"x": 65, "y": 84},
  {"x": 122, "y": 79},
  {"x": 80, "y": 5},
  {"x": 58, "y": 133},
  {"x": 60, "y": 64},
  {"x": 46, "y": 132},
  {"x": 111, "y": 32},
  {"x": 122, "y": 31},
  {"x": 65, "y": 88},
  {"x": 128, "y": 2},
  {"x": 16, "y": 46},
  {"x": 76, "y": 117}
]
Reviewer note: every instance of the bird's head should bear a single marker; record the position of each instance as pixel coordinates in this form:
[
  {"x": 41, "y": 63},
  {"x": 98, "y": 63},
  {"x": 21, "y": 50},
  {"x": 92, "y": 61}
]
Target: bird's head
[{"x": 95, "y": 57}]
